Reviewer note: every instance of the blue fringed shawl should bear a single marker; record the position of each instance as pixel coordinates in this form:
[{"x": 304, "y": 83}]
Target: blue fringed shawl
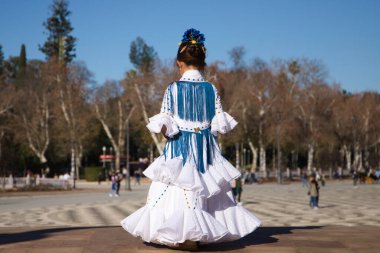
[{"x": 195, "y": 102}]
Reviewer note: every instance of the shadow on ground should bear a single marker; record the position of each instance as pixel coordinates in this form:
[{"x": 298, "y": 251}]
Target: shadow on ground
[
  {"x": 7, "y": 238},
  {"x": 263, "y": 235}
]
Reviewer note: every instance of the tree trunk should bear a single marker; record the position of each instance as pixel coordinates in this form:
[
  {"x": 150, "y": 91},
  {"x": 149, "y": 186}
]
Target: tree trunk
[
  {"x": 117, "y": 160},
  {"x": 254, "y": 156},
  {"x": 121, "y": 139},
  {"x": 262, "y": 160},
  {"x": 347, "y": 152},
  {"x": 73, "y": 166},
  {"x": 78, "y": 157},
  {"x": 357, "y": 157},
  {"x": 159, "y": 144},
  {"x": 310, "y": 156},
  {"x": 38, "y": 144},
  {"x": 237, "y": 156},
  {"x": 366, "y": 129}
]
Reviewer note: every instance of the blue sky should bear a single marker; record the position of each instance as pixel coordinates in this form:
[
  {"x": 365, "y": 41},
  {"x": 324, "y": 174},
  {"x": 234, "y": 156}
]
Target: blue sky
[{"x": 343, "y": 34}]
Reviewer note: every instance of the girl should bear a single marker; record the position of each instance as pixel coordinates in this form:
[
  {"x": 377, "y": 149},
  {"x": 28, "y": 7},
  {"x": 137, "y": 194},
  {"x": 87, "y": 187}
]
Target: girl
[{"x": 190, "y": 198}]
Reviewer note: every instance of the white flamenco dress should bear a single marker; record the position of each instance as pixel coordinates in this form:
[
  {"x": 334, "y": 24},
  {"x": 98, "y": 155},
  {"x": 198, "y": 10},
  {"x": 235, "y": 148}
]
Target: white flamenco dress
[{"x": 190, "y": 197}]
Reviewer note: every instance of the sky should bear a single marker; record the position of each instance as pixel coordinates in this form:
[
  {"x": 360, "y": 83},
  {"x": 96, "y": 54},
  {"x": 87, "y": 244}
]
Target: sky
[{"x": 343, "y": 34}]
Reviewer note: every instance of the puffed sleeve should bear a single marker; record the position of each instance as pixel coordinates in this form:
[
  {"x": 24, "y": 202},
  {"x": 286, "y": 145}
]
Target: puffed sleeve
[
  {"x": 165, "y": 117},
  {"x": 222, "y": 122}
]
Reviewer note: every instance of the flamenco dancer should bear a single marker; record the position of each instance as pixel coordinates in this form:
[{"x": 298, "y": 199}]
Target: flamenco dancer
[{"x": 190, "y": 199}]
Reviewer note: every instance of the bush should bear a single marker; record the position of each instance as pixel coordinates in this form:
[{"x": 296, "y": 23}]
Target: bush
[{"x": 91, "y": 173}]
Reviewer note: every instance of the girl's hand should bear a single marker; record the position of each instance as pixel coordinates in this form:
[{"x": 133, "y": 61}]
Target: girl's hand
[{"x": 163, "y": 131}]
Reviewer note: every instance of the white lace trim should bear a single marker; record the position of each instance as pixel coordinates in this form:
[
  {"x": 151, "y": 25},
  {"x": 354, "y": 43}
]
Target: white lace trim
[{"x": 192, "y": 75}]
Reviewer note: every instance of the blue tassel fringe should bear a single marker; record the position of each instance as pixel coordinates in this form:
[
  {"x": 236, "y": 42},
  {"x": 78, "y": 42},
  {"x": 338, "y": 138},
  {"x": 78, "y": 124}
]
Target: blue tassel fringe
[
  {"x": 195, "y": 101},
  {"x": 181, "y": 144}
]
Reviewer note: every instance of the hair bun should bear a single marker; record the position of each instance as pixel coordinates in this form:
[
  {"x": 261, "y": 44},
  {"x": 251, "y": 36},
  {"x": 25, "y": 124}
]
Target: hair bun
[
  {"x": 194, "y": 50},
  {"x": 191, "y": 50}
]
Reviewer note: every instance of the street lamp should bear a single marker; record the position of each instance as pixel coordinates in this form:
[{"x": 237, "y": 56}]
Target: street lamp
[
  {"x": 111, "y": 149},
  {"x": 128, "y": 170},
  {"x": 104, "y": 163}
]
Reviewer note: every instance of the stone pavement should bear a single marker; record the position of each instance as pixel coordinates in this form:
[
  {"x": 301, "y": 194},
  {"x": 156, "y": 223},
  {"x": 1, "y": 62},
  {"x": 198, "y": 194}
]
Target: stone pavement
[
  {"x": 275, "y": 205},
  {"x": 312, "y": 239}
]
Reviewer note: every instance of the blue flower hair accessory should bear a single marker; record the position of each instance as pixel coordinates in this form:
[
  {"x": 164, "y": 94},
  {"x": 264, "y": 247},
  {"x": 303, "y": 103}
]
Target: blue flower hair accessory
[{"x": 194, "y": 36}]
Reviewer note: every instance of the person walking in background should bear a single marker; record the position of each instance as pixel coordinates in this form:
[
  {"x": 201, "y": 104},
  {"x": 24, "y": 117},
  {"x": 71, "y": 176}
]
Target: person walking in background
[
  {"x": 355, "y": 178},
  {"x": 113, "y": 185},
  {"x": 119, "y": 178},
  {"x": 304, "y": 178},
  {"x": 137, "y": 175},
  {"x": 99, "y": 177},
  {"x": 238, "y": 189},
  {"x": 323, "y": 180},
  {"x": 377, "y": 175},
  {"x": 313, "y": 192}
]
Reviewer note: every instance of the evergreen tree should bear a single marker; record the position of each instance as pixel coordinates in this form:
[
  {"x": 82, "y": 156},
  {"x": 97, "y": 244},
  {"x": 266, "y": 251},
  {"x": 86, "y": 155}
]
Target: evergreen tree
[
  {"x": 22, "y": 61},
  {"x": 59, "y": 43},
  {"x": 142, "y": 56}
]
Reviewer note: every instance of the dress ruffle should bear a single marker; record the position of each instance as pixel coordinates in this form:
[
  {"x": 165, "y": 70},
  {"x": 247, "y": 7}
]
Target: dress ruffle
[
  {"x": 235, "y": 218},
  {"x": 223, "y": 123},
  {"x": 173, "y": 215},
  {"x": 185, "y": 176},
  {"x": 157, "y": 121}
]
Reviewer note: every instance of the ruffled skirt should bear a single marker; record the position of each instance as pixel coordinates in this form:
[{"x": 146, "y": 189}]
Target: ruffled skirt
[{"x": 184, "y": 204}]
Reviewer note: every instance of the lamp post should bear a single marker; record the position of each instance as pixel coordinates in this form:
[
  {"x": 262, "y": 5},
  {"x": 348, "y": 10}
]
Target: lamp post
[
  {"x": 111, "y": 149},
  {"x": 104, "y": 163},
  {"x": 128, "y": 174}
]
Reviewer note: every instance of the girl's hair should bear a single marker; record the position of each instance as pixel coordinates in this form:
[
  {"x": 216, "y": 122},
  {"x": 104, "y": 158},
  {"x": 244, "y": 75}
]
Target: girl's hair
[
  {"x": 191, "y": 50},
  {"x": 193, "y": 54}
]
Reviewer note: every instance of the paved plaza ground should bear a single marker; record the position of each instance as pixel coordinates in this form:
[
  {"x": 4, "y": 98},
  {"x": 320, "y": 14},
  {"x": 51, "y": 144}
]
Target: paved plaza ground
[{"x": 87, "y": 220}]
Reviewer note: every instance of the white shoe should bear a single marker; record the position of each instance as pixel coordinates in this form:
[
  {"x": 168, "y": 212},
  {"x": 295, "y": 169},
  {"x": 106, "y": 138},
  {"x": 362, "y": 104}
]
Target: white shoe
[
  {"x": 110, "y": 195},
  {"x": 315, "y": 208}
]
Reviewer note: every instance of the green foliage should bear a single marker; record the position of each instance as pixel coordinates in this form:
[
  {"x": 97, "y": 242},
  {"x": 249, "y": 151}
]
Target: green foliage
[
  {"x": 22, "y": 61},
  {"x": 142, "y": 56},
  {"x": 91, "y": 173},
  {"x": 59, "y": 42}
]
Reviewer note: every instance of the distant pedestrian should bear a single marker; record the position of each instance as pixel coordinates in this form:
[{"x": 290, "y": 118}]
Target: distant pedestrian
[
  {"x": 304, "y": 179},
  {"x": 113, "y": 185},
  {"x": 237, "y": 189},
  {"x": 119, "y": 178},
  {"x": 355, "y": 178},
  {"x": 323, "y": 180},
  {"x": 313, "y": 192},
  {"x": 99, "y": 177},
  {"x": 137, "y": 175}
]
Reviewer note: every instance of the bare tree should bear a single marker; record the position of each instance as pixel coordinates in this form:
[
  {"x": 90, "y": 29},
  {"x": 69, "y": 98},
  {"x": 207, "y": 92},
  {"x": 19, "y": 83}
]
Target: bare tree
[
  {"x": 114, "y": 113},
  {"x": 70, "y": 84},
  {"x": 237, "y": 56},
  {"x": 33, "y": 115}
]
